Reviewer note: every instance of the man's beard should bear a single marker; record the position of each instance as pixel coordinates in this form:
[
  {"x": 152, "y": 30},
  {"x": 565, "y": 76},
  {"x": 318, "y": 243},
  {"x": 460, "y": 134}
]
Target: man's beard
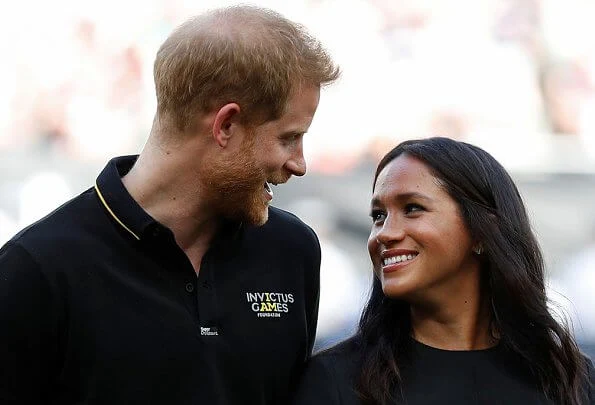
[{"x": 237, "y": 187}]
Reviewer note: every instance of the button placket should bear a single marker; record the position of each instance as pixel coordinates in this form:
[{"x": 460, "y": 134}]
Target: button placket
[{"x": 205, "y": 297}]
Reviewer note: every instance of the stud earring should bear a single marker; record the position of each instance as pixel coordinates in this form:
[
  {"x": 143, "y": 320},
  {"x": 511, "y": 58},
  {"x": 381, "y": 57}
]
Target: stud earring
[{"x": 478, "y": 249}]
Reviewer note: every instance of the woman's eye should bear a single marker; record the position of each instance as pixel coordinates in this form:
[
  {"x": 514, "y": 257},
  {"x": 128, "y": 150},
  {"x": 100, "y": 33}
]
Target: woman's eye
[
  {"x": 377, "y": 215},
  {"x": 410, "y": 208}
]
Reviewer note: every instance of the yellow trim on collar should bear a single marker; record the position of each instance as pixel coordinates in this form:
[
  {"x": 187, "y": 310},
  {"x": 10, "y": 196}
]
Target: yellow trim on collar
[{"x": 112, "y": 213}]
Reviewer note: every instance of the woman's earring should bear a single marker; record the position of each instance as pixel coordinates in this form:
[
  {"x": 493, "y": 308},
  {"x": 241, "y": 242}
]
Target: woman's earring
[{"x": 478, "y": 249}]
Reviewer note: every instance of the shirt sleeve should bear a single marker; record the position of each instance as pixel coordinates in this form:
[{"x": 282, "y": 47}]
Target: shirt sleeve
[
  {"x": 317, "y": 386},
  {"x": 26, "y": 332}
]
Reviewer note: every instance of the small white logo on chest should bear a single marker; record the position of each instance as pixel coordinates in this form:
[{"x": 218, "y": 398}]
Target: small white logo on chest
[{"x": 209, "y": 331}]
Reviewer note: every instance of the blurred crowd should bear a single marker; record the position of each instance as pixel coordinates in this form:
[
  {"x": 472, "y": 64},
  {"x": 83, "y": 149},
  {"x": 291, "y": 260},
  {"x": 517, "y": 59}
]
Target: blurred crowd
[
  {"x": 516, "y": 77},
  {"x": 78, "y": 76}
]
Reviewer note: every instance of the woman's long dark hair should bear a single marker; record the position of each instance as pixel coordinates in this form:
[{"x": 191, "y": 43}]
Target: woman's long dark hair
[{"x": 513, "y": 269}]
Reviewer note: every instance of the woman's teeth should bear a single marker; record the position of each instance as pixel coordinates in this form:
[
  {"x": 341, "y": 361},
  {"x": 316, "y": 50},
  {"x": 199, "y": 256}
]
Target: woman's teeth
[{"x": 398, "y": 259}]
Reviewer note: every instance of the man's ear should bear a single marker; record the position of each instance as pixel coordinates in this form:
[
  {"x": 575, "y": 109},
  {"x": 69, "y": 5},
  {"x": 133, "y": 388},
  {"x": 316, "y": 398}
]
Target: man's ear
[{"x": 225, "y": 122}]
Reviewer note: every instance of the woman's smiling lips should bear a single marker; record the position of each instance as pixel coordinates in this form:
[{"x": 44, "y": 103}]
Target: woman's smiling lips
[{"x": 394, "y": 259}]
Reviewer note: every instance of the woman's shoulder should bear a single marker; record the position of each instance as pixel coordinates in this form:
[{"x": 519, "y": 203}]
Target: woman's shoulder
[
  {"x": 329, "y": 375},
  {"x": 339, "y": 361},
  {"x": 346, "y": 349}
]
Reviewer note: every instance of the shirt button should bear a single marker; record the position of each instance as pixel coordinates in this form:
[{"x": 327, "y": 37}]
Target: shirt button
[{"x": 189, "y": 287}]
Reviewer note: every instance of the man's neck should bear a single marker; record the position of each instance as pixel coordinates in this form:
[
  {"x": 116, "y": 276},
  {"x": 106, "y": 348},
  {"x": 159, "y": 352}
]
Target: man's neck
[{"x": 167, "y": 189}]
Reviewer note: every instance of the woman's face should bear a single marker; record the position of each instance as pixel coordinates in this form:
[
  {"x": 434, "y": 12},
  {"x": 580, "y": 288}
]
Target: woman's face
[{"x": 419, "y": 245}]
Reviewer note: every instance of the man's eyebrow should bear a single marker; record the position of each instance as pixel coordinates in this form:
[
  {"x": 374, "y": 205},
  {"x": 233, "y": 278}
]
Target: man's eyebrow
[{"x": 293, "y": 133}]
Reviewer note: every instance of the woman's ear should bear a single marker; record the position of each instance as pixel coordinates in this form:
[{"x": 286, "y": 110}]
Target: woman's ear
[{"x": 478, "y": 248}]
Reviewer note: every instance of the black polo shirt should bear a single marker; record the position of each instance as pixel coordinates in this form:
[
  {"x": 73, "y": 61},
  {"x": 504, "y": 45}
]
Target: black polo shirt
[{"x": 99, "y": 305}]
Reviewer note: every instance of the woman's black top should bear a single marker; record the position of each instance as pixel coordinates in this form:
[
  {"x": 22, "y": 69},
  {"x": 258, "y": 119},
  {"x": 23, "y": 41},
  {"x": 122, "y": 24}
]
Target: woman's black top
[{"x": 430, "y": 376}]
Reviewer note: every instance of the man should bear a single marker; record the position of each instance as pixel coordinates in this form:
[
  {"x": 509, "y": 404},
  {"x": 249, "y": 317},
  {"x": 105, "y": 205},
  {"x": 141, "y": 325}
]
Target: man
[{"x": 172, "y": 281}]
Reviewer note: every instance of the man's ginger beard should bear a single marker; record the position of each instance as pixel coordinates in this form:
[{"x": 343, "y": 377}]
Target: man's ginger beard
[{"x": 237, "y": 186}]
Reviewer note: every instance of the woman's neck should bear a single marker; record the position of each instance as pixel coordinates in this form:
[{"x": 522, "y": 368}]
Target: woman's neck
[{"x": 460, "y": 323}]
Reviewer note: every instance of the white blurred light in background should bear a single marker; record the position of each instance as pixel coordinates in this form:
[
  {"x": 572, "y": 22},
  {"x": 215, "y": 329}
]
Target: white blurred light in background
[{"x": 40, "y": 194}]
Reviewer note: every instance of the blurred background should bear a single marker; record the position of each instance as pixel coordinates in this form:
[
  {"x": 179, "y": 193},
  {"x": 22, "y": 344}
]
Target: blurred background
[{"x": 515, "y": 77}]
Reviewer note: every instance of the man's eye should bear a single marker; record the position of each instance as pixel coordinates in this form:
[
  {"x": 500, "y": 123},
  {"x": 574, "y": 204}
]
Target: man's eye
[
  {"x": 377, "y": 215},
  {"x": 411, "y": 208},
  {"x": 292, "y": 138}
]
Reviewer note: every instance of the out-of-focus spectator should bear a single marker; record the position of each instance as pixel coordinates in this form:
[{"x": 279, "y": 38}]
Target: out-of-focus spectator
[
  {"x": 451, "y": 124},
  {"x": 566, "y": 87},
  {"x": 519, "y": 22},
  {"x": 104, "y": 99}
]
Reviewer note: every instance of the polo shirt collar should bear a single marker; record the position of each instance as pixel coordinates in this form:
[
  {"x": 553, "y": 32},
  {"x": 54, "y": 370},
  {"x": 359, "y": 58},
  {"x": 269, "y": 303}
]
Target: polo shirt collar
[
  {"x": 131, "y": 216},
  {"x": 118, "y": 202}
]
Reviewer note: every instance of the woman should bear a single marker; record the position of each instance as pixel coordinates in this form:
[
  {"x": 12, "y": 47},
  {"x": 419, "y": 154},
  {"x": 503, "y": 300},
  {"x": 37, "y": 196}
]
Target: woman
[{"x": 458, "y": 312}]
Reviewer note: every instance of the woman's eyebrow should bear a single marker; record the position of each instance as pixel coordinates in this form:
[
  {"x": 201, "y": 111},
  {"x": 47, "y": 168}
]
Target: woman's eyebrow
[{"x": 405, "y": 196}]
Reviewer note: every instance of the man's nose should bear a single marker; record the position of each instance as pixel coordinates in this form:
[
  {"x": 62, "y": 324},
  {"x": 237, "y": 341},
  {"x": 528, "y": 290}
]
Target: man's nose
[{"x": 296, "y": 165}]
